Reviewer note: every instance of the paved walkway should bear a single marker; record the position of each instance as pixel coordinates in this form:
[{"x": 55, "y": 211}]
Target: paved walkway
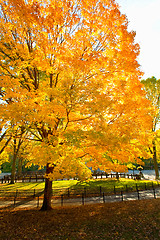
[{"x": 147, "y": 194}]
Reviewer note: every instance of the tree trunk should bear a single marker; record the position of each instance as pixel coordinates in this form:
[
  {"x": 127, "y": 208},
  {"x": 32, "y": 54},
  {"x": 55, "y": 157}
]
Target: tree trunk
[
  {"x": 20, "y": 167},
  {"x": 155, "y": 161},
  {"x": 13, "y": 164},
  {"x": 15, "y": 154},
  {"x": 13, "y": 170},
  {"x": 47, "y": 191}
]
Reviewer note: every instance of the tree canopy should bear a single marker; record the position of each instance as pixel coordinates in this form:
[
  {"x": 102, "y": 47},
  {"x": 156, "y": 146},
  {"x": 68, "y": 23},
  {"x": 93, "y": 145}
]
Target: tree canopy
[
  {"x": 152, "y": 88},
  {"x": 69, "y": 75}
]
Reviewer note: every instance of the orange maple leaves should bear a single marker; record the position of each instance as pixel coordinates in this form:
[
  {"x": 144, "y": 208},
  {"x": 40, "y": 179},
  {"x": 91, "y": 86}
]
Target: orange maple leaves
[{"x": 70, "y": 71}]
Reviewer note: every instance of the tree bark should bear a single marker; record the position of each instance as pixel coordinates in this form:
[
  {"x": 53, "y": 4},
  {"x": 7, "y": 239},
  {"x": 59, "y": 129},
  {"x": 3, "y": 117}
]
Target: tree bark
[
  {"x": 13, "y": 163},
  {"x": 5, "y": 145},
  {"x": 155, "y": 160},
  {"x": 47, "y": 191},
  {"x": 15, "y": 154},
  {"x": 13, "y": 169},
  {"x": 20, "y": 167}
]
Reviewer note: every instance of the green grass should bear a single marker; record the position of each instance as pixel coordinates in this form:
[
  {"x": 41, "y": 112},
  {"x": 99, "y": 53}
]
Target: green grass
[
  {"x": 111, "y": 185},
  {"x": 21, "y": 186},
  {"x": 92, "y": 186},
  {"x": 36, "y": 185}
]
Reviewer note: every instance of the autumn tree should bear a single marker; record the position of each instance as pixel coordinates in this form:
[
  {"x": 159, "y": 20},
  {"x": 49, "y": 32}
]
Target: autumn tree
[
  {"x": 15, "y": 146},
  {"x": 69, "y": 73},
  {"x": 5, "y": 137},
  {"x": 12, "y": 140},
  {"x": 152, "y": 87},
  {"x": 3, "y": 159},
  {"x": 23, "y": 158}
]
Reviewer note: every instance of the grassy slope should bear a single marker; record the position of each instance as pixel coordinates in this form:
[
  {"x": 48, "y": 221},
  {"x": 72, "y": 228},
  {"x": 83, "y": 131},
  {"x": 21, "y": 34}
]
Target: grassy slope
[
  {"x": 134, "y": 220},
  {"x": 106, "y": 184},
  {"x": 75, "y": 187}
]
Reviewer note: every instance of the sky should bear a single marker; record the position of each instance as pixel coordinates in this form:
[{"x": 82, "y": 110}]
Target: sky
[{"x": 144, "y": 19}]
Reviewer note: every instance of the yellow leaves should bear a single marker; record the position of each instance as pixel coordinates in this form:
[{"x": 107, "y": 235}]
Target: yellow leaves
[
  {"x": 69, "y": 168},
  {"x": 4, "y": 156},
  {"x": 70, "y": 73}
]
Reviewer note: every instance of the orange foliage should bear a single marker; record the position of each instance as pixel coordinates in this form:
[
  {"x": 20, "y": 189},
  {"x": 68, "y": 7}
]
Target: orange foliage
[{"x": 69, "y": 74}]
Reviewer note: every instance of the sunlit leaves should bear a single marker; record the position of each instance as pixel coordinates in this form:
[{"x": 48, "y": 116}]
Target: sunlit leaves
[{"x": 69, "y": 74}]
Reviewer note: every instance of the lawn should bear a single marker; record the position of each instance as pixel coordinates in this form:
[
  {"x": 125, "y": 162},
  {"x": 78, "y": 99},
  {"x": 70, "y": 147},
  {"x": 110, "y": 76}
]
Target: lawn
[
  {"x": 131, "y": 220},
  {"x": 74, "y": 186}
]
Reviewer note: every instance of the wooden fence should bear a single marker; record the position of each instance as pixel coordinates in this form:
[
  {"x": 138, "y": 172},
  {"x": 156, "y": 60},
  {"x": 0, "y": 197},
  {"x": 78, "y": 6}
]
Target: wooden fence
[
  {"x": 85, "y": 195},
  {"x": 25, "y": 178},
  {"x": 116, "y": 175},
  {"x": 78, "y": 191},
  {"x": 41, "y": 177}
]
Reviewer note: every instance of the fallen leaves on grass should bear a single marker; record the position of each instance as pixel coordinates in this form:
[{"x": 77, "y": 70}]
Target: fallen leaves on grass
[{"x": 123, "y": 220}]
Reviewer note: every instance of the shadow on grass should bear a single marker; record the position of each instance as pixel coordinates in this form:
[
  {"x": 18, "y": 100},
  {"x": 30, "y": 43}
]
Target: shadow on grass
[{"x": 124, "y": 220}]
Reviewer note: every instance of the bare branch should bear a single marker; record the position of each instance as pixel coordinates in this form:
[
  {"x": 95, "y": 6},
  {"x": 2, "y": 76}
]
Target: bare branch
[
  {"x": 81, "y": 119},
  {"x": 5, "y": 145}
]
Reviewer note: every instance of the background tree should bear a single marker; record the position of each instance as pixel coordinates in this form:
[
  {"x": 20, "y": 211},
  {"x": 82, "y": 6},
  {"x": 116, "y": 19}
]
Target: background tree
[
  {"x": 23, "y": 158},
  {"x": 152, "y": 87},
  {"x": 18, "y": 139},
  {"x": 69, "y": 73},
  {"x": 18, "y": 150},
  {"x": 3, "y": 159},
  {"x": 5, "y": 138}
]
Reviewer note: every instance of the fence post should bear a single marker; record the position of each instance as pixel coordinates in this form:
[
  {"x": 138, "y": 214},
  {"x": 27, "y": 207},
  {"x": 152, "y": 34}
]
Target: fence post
[
  {"x": 138, "y": 194},
  {"x": 62, "y": 200},
  {"x": 145, "y": 186},
  {"x": 2, "y": 180},
  {"x": 14, "y": 201},
  {"x": 16, "y": 193},
  {"x": 103, "y": 197},
  {"x": 84, "y": 191},
  {"x": 122, "y": 195},
  {"x": 82, "y": 198},
  {"x": 114, "y": 190},
  {"x": 154, "y": 193},
  {"x": 100, "y": 190},
  {"x": 38, "y": 202},
  {"x": 126, "y": 188},
  {"x": 68, "y": 192}
]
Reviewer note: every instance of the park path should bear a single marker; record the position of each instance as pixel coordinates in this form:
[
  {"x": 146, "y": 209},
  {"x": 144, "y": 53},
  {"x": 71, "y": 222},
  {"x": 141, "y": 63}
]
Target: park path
[{"x": 30, "y": 203}]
